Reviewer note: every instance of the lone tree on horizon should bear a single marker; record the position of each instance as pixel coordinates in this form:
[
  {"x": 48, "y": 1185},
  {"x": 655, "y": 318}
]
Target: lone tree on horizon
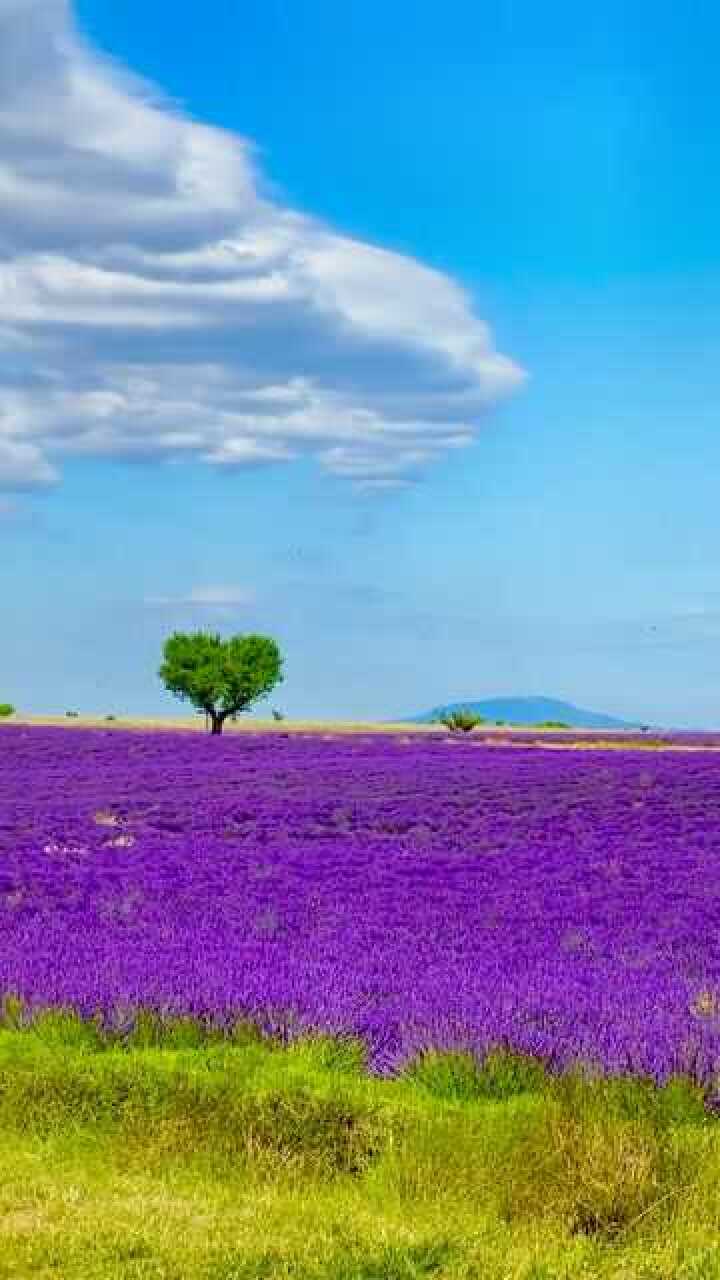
[{"x": 220, "y": 677}]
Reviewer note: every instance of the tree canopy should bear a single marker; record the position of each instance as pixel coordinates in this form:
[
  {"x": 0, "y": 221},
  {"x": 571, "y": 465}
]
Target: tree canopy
[
  {"x": 220, "y": 677},
  {"x": 461, "y": 721}
]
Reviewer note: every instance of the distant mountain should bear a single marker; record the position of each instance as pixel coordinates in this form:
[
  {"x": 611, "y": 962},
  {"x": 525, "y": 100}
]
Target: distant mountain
[{"x": 528, "y": 711}]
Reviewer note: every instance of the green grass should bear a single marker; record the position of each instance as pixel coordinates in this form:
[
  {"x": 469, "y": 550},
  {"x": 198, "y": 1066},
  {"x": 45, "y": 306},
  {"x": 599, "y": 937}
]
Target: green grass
[{"x": 179, "y": 1155}]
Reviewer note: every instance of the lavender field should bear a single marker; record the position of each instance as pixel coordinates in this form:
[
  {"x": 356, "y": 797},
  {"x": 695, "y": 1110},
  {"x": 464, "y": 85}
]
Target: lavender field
[{"x": 415, "y": 892}]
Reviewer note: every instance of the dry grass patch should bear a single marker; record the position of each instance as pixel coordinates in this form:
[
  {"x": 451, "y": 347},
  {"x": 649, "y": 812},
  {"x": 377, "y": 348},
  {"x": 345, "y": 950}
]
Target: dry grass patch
[{"x": 599, "y": 1163}]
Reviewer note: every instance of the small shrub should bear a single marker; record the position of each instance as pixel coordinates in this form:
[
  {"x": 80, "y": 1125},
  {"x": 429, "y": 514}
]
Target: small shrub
[
  {"x": 6, "y": 709},
  {"x": 551, "y": 724},
  {"x": 111, "y": 717},
  {"x": 13, "y": 1013},
  {"x": 461, "y": 721},
  {"x": 277, "y": 1126},
  {"x": 344, "y": 1054},
  {"x": 459, "y": 1076},
  {"x": 277, "y": 715},
  {"x": 152, "y": 1030},
  {"x": 599, "y": 1156},
  {"x": 64, "y": 1028}
]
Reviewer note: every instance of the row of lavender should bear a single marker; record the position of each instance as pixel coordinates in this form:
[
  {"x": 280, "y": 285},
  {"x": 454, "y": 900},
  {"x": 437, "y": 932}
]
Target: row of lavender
[{"x": 563, "y": 903}]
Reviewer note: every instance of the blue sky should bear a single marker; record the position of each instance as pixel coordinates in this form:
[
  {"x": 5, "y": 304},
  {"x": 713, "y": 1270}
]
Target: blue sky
[{"x": 391, "y": 331}]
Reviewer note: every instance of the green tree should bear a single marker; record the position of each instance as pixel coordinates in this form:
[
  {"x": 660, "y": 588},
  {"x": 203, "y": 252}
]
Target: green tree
[
  {"x": 220, "y": 677},
  {"x": 461, "y": 721}
]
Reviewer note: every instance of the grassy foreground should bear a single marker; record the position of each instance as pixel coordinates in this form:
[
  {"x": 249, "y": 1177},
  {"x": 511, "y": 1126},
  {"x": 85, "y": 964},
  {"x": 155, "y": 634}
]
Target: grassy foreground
[{"x": 180, "y": 1157}]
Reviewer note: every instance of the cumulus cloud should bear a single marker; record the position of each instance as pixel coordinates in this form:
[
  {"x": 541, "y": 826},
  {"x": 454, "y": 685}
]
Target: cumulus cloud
[{"x": 155, "y": 302}]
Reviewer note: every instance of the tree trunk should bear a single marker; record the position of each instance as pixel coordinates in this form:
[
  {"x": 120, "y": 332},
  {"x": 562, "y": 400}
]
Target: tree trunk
[{"x": 217, "y": 719}]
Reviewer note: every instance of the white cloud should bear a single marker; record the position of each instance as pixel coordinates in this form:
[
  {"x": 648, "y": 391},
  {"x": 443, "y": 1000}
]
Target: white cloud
[
  {"x": 23, "y": 466},
  {"x": 155, "y": 302},
  {"x": 214, "y": 598}
]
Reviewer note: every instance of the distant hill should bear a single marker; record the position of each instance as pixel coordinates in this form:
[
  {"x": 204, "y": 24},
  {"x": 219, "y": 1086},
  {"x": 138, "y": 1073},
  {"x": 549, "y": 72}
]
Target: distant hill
[{"x": 528, "y": 711}]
